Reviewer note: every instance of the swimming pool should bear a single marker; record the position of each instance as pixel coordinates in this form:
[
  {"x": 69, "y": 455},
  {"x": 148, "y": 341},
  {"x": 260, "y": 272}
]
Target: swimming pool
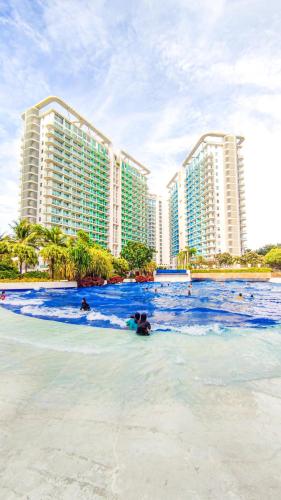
[
  {"x": 104, "y": 413},
  {"x": 212, "y": 306}
]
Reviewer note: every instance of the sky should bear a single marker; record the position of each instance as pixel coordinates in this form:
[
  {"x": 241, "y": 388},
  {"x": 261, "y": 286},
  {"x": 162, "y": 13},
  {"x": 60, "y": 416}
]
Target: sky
[{"x": 153, "y": 75}]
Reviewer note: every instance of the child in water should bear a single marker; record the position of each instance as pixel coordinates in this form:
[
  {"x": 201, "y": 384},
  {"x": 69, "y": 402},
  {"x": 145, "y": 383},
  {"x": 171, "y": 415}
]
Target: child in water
[
  {"x": 3, "y": 295},
  {"x": 84, "y": 305},
  {"x": 132, "y": 323}
]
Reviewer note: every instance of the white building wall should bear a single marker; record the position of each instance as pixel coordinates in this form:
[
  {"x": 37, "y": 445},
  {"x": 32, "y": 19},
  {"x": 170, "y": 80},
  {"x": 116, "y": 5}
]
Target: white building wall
[{"x": 162, "y": 232}]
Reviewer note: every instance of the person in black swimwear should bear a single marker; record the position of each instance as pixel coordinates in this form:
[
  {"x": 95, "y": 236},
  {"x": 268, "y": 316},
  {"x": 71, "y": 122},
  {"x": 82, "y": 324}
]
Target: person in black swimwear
[
  {"x": 144, "y": 326},
  {"x": 84, "y": 305}
]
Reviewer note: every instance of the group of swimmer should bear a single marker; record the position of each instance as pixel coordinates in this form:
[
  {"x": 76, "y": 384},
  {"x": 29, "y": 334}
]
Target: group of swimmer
[{"x": 138, "y": 323}]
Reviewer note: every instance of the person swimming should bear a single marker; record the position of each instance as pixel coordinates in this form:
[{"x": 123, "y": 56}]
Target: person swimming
[
  {"x": 144, "y": 327},
  {"x": 84, "y": 305},
  {"x": 239, "y": 296},
  {"x": 3, "y": 295},
  {"x": 132, "y": 323},
  {"x": 189, "y": 290}
]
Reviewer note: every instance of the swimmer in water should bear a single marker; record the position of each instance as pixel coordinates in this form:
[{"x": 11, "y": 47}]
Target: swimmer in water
[
  {"x": 239, "y": 296},
  {"x": 144, "y": 326},
  {"x": 3, "y": 295},
  {"x": 189, "y": 290},
  {"x": 132, "y": 323},
  {"x": 84, "y": 305}
]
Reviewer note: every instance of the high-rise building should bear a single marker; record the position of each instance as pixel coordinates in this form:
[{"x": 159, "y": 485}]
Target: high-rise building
[
  {"x": 71, "y": 177},
  {"x": 162, "y": 232},
  {"x": 207, "y": 198},
  {"x": 151, "y": 221},
  {"x": 158, "y": 229}
]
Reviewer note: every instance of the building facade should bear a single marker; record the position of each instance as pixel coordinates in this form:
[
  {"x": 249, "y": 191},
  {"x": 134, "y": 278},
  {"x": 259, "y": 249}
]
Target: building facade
[
  {"x": 158, "y": 229},
  {"x": 72, "y": 177},
  {"x": 207, "y": 198}
]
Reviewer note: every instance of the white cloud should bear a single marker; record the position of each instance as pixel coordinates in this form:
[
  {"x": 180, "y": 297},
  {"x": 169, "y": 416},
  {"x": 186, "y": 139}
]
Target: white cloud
[{"x": 154, "y": 76}]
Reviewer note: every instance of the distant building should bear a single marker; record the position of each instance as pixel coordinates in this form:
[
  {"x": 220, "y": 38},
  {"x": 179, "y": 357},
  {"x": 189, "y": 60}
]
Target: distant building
[
  {"x": 207, "y": 198},
  {"x": 71, "y": 177},
  {"x": 158, "y": 229}
]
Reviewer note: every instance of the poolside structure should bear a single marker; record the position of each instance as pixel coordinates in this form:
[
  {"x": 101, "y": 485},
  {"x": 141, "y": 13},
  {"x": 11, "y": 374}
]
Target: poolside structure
[
  {"x": 207, "y": 198},
  {"x": 72, "y": 177},
  {"x": 172, "y": 275}
]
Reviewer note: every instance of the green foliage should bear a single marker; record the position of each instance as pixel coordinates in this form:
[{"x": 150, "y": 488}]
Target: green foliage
[
  {"x": 251, "y": 258},
  {"x": 52, "y": 236},
  {"x": 150, "y": 267},
  {"x": 184, "y": 256},
  {"x": 266, "y": 248},
  {"x": 273, "y": 258},
  {"x": 81, "y": 258},
  {"x": 101, "y": 263},
  {"x": 224, "y": 259},
  {"x": 5, "y": 266},
  {"x": 35, "y": 274},
  {"x": 8, "y": 274},
  {"x": 120, "y": 266},
  {"x": 137, "y": 254},
  {"x": 227, "y": 270},
  {"x": 54, "y": 255},
  {"x": 25, "y": 254}
]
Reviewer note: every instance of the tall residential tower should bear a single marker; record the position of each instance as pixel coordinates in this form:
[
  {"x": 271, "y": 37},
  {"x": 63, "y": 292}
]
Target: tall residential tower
[
  {"x": 207, "y": 199},
  {"x": 158, "y": 229},
  {"x": 72, "y": 177}
]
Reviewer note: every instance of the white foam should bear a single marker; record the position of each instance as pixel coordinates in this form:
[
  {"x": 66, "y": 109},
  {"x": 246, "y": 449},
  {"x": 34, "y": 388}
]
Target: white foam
[
  {"x": 22, "y": 302},
  {"x": 114, "y": 320},
  {"x": 196, "y": 330},
  {"x": 54, "y": 312}
]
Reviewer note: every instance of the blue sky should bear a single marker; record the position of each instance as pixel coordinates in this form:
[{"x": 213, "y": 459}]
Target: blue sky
[{"x": 153, "y": 75}]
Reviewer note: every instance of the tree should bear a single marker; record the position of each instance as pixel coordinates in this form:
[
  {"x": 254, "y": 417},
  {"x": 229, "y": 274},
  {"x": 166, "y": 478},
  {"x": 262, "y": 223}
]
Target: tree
[
  {"x": 23, "y": 241},
  {"x": 150, "y": 267},
  {"x": 81, "y": 258},
  {"x": 200, "y": 261},
  {"x": 266, "y": 248},
  {"x": 120, "y": 266},
  {"x": 137, "y": 254},
  {"x": 53, "y": 236},
  {"x": 54, "y": 243},
  {"x": 273, "y": 258},
  {"x": 25, "y": 254},
  {"x": 101, "y": 263},
  {"x": 54, "y": 255},
  {"x": 250, "y": 258},
  {"x": 224, "y": 259},
  {"x": 184, "y": 256}
]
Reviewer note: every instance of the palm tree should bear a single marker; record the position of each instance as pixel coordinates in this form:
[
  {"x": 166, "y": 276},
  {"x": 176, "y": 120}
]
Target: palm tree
[
  {"x": 23, "y": 242},
  {"x": 81, "y": 258},
  {"x": 53, "y": 252},
  {"x": 184, "y": 257}
]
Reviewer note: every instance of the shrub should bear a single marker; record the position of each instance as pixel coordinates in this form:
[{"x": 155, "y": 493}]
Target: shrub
[
  {"x": 144, "y": 279},
  {"x": 9, "y": 274},
  {"x": 90, "y": 281},
  {"x": 4, "y": 266},
  {"x": 247, "y": 270},
  {"x": 35, "y": 274},
  {"x": 115, "y": 279},
  {"x": 273, "y": 258}
]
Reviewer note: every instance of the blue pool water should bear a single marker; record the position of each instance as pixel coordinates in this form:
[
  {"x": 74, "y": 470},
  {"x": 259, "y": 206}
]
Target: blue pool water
[{"x": 212, "y": 307}]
